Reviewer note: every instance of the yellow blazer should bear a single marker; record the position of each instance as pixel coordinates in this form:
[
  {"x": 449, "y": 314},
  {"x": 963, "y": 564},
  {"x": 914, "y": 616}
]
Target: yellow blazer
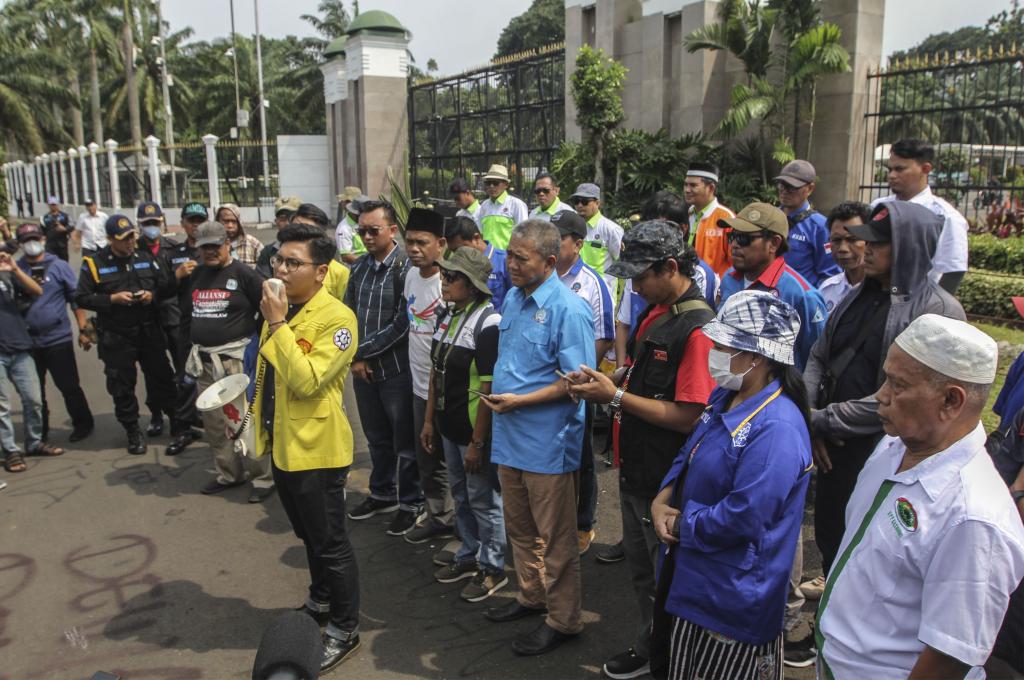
[
  {"x": 311, "y": 356},
  {"x": 336, "y": 280}
]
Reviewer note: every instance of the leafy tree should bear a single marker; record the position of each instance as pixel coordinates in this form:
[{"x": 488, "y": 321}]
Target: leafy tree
[
  {"x": 333, "y": 20},
  {"x": 744, "y": 30},
  {"x": 597, "y": 91},
  {"x": 541, "y": 25}
]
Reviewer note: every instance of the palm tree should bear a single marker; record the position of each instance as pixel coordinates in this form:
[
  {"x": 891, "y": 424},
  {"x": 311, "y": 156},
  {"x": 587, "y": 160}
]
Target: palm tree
[
  {"x": 100, "y": 38},
  {"x": 744, "y": 29},
  {"x": 812, "y": 54},
  {"x": 333, "y": 20}
]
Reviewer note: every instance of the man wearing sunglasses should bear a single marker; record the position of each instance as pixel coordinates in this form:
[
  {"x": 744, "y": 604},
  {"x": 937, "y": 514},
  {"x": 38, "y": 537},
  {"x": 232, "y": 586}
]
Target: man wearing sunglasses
[
  {"x": 604, "y": 237},
  {"x": 810, "y": 250},
  {"x": 501, "y": 211},
  {"x": 758, "y": 241},
  {"x": 545, "y": 189}
]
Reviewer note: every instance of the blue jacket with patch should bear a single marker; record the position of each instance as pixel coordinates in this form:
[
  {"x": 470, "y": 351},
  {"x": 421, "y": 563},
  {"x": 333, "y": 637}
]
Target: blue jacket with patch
[{"x": 810, "y": 248}]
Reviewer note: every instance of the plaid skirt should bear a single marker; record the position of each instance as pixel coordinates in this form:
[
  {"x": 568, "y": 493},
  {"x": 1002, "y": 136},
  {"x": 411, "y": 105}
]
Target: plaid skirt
[{"x": 699, "y": 654}]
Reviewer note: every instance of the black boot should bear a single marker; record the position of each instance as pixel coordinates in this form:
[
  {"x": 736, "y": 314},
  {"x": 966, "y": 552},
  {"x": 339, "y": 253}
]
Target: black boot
[
  {"x": 136, "y": 446},
  {"x": 156, "y": 426}
]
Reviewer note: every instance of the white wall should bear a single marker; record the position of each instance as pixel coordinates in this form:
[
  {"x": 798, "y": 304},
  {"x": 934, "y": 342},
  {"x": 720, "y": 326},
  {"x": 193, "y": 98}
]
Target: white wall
[{"x": 303, "y": 169}]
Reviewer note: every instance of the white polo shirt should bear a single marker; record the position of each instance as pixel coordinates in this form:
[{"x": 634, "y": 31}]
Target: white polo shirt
[
  {"x": 934, "y": 565},
  {"x": 591, "y": 288},
  {"x": 951, "y": 250}
]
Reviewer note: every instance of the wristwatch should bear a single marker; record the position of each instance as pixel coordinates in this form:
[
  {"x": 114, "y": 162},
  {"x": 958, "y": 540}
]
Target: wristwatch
[
  {"x": 479, "y": 444},
  {"x": 616, "y": 403}
]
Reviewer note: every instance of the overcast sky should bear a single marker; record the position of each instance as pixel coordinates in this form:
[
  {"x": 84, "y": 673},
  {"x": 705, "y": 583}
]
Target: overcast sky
[{"x": 462, "y": 34}]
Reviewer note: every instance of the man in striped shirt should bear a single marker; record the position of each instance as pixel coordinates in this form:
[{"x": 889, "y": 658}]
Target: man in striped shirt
[{"x": 382, "y": 381}]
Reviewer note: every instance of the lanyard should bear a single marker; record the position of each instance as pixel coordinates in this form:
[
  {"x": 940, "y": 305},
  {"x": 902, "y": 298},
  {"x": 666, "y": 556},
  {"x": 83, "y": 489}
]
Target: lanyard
[{"x": 443, "y": 350}]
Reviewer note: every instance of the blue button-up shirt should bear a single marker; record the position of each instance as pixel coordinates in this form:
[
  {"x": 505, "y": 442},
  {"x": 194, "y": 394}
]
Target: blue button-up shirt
[
  {"x": 498, "y": 282},
  {"x": 552, "y": 329},
  {"x": 742, "y": 502},
  {"x": 810, "y": 247}
]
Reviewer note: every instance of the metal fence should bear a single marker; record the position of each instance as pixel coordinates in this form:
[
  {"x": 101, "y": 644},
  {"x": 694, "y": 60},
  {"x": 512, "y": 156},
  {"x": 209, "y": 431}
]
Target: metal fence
[
  {"x": 511, "y": 112},
  {"x": 971, "y": 106}
]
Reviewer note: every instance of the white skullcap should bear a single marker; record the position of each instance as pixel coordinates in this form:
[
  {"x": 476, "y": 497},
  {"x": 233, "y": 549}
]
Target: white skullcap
[{"x": 952, "y": 348}]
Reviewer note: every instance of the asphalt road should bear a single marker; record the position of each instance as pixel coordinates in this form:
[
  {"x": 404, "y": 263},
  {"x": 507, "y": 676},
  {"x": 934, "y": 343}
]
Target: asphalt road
[{"x": 116, "y": 562}]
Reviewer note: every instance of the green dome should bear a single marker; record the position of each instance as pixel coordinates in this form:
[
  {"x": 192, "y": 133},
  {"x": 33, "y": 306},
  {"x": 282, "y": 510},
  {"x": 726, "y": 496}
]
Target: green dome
[
  {"x": 335, "y": 47},
  {"x": 376, "y": 20}
]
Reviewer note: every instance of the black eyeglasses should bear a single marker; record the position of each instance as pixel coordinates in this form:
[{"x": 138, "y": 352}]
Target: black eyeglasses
[
  {"x": 372, "y": 231},
  {"x": 782, "y": 186},
  {"x": 492, "y": 182},
  {"x": 449, "y": 276},
  {"x": 541, "y": 190},
  {"x": 745, "y": 238},
  {"x": 582, "y": 201},
  {"x": 290, "y": 263}
]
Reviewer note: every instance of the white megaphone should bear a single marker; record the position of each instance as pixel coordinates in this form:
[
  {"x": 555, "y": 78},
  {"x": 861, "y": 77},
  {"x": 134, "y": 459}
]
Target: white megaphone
[{"x": 227, "y": 395}]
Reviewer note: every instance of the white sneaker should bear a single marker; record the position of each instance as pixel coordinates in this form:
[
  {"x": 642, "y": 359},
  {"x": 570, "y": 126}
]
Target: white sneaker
[
  {"x": 813, "y": 589},
  {"x": 3, "y": 484}
]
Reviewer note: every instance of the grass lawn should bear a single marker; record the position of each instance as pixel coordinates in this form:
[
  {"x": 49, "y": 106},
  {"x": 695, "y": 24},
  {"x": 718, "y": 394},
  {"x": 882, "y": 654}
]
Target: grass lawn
[{"x": 999, "y": 333}]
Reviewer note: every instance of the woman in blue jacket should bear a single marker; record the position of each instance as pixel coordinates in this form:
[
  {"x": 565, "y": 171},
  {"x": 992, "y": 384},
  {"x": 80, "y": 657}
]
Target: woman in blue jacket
[{"x": 730, "y": 508}]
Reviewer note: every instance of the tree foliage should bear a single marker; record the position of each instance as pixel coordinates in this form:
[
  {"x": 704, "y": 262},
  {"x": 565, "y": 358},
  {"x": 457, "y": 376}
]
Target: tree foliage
[
  {"x": 597, "y": 84},
  {"x": 541, "y": 25}
]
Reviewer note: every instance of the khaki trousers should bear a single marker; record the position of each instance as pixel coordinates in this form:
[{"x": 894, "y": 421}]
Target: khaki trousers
[
  {"x": 231, "y": 467},
  {"x": 540, "y": 519}
]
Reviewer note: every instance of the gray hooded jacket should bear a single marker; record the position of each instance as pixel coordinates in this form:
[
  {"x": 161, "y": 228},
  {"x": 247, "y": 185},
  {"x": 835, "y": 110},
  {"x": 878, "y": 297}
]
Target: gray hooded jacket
[{"x": 915, "y": 233}]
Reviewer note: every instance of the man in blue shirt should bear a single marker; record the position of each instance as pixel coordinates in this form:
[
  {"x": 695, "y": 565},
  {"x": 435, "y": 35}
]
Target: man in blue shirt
[
  {"x": 758, "y": 241},
  {"x": 537, "y": 435},
  {"x": 810, "y": 250},
  {"x": 50, "y": 329},
  {"x": 464, "y": 231}
]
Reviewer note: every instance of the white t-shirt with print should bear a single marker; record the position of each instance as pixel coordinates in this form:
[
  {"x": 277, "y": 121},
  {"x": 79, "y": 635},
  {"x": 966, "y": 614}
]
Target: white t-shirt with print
[{"x": 423, "y": 298}]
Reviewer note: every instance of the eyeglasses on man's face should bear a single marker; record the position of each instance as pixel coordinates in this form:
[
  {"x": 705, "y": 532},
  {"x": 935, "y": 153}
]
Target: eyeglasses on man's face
[
  {"x": 291, "y": 264},
  {"x": 372, "y": 231},
  {"x": 745, "y": 238}
]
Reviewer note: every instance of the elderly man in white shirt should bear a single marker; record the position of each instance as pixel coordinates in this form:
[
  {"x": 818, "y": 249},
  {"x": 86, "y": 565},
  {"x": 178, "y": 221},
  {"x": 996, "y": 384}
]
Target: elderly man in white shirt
[
  {"x": 90, "y": 232},
  {"x": 910, "y": 162},
  {"x": 934, "y": 545}
]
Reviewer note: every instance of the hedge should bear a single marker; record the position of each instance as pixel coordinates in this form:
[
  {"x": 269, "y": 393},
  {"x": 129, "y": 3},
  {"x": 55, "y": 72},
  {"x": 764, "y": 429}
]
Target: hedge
[
  {"x": 985, "y": 251},
  {"x": 988, "y": 293}
]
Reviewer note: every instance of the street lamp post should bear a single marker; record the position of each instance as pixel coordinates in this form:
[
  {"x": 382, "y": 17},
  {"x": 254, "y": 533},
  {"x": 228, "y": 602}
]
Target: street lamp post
[
  {"x": 169, "y": 114},
  {"x": 263, "y": 102}
]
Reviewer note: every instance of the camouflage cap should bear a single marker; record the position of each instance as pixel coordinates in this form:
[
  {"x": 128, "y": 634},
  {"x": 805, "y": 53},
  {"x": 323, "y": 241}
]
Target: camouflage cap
[
  {"x": 645, "y": 244},
  {"x": 288, "y": 203}
]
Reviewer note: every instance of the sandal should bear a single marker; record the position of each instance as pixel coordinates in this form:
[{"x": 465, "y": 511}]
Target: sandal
[
  {"x": 14, "y": 462},
  {"x": 44, "y": 449}
]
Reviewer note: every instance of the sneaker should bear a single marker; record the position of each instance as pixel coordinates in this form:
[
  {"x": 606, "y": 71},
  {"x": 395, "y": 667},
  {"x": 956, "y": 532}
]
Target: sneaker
[
  {"x": 371, "y": 507},
  {"x": 429, "y": 529},
  {"x": 456, "y": 571},
  {"x": 485, "y": 583},
  {"x": 586, "y": 537},
  {"x": 813, "y": 589},
  {"x": 800, "y": 654},
  {"x": 336, "y": 651},
  {"x": 404, "y": 522},
  {"x": 3, "y": 484},
  {"x": 626, "y": 665},
  {"x": 611, "y": 554},
  {"x": 445, "y": 555}
]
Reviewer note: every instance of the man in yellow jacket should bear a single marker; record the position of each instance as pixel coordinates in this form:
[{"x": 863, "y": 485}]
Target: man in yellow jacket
[{"x": 306, "y": 348}]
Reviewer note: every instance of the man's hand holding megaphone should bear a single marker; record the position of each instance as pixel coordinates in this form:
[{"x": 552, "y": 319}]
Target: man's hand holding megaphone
[{"x": 274, "y": 304}]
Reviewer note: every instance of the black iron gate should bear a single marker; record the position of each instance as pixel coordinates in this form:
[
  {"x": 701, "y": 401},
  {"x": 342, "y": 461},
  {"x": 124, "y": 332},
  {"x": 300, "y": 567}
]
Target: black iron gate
[
  {"x": 970, "y": 105},
  {"x": 511, "y": 112}
]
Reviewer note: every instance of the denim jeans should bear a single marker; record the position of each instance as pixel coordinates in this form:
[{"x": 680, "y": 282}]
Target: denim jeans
[
  {"x": 586, "y": 507},
  {"x": 478, "y": 512},
  {"x": 19, "y": 369},
  {"x": 385, "y": 412}
]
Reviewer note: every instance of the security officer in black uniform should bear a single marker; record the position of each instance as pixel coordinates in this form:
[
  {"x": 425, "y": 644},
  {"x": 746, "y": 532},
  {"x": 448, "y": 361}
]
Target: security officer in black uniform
[
  {"x": 124, "y": 285},
  {"x": 656, "y": 401},
  {"x": 150, "y": 218}
]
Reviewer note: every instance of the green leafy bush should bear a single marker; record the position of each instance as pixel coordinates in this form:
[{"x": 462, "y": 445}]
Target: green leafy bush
[
  {"x": 989, "y": 293},
  {"x": 991, "y": 253}
]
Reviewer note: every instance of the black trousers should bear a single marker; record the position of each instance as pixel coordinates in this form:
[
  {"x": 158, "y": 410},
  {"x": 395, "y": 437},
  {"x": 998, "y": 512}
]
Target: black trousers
[
  {"x": 119, "y": 353},
  {"x": 59, "y": 361},
  {"x": 833, "y": 493},
  {"x": 314, "y": 501},
  {"x": 184, "y": 412}
]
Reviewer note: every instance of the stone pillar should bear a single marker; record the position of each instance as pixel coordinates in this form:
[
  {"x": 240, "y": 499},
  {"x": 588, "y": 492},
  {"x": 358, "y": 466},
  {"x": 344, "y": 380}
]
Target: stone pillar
[
  {"x": 611, "y": 16},
  {"x": 212, "y": 176},
  {"x": 153, "y": 163},
  {"x": 574, "y": 40},
  {"x": 47, "y": 179},
  {"x": 72, "y": 157},
  {"x": 7, "y": 184},
  {"x": 335, "y": 96},
  {"x": 64, "y": 197},
  {"x": 93, "y": 148},
  {"x": 115, "y": 183},
  {"x": 841, "y": 145},
  {"x": 83, "y": 171},
  {"x": 37, "y": 171}
]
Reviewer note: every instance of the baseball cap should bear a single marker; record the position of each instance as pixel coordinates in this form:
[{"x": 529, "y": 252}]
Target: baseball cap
[
  {"x": 877, "y": 230},
  {"x": 459, "y": 186},
  {"x": 287, "y": 203},
  {"x": 194, "y": 210},
  {"x": 211, "y": 234},
  {"x": 758, "y": 217},
  {"x": 349, "y": 194},
  {"x": 149, "y": 210},
  {"x": 355, "y": 206},
  {"x": 569, "y": 223},
  {"x": 89, "y": 200},
  {"x": 119, "y": 227},
  {"x": 587, "y": 190},
  {"x": 796, "y": 174},
  {"x": 471, "y": 262},
  {"x": 756, "y": 321},
  {"x": 29, "y": 231},
  {"x": 52, "y": 200},
  {"x": 645, "y": 244}
]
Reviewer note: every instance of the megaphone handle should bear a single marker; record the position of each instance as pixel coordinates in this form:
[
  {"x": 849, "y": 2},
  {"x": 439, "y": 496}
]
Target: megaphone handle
[{"x": 260, "y": 370}]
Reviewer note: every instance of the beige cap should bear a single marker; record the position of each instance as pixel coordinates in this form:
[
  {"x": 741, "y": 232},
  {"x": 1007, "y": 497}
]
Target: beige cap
[
  {"x": 952, "y": 348},
  {"x": 349, "y": 194},
  {"x": 758, "y": 217},
  {"x": 497, "y": 172},
  {"x": 290, "y": 203}
]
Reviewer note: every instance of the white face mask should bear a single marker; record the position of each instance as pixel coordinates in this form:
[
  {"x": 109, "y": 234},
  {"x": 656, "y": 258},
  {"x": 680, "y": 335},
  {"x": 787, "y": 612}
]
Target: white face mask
[
  {"x": 33, "y": 248},
  {"x": 720, "y": 368}
]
